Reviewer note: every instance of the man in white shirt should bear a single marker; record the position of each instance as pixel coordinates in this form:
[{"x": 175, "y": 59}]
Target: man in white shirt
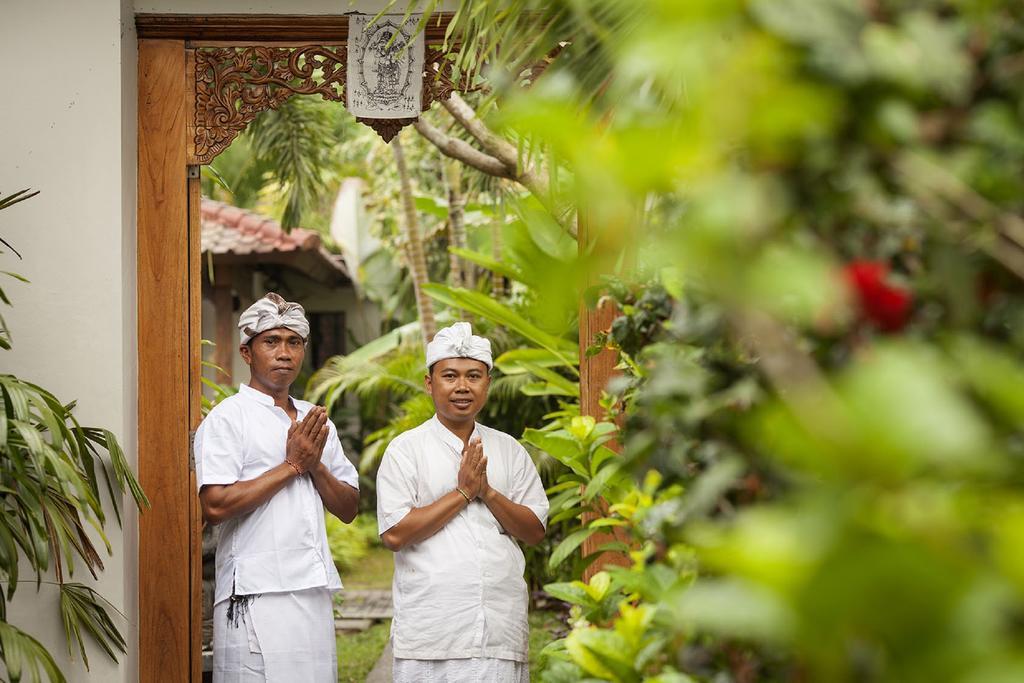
[
  {"x": 453, "y": 497},
  {"x": 267, "y": 465}
]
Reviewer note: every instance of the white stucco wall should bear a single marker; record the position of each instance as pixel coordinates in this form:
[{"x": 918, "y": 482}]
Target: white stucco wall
[{"x": 67, "y": 128}]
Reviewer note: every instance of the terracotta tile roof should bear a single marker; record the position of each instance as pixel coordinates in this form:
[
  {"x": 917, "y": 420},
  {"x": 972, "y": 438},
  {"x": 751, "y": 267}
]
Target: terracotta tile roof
[
  {"x": 230, "y": 230},
  {"x": 236, "y": 236}
]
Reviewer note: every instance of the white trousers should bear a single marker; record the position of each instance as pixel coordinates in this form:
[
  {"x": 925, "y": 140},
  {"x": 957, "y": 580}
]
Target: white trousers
[
  {"x": 276, "y": 638},
  {"x": 476, "y": 670}
]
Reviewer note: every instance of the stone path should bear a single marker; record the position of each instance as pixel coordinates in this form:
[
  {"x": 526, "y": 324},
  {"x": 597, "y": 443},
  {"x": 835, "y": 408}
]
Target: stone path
[
  {"x": 360, "y": 609},
  {"x": 364, "y": 604}
]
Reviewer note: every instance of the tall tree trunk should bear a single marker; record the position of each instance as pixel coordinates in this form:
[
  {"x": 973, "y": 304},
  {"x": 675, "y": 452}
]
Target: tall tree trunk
[
  {"x": 417, "y": 259},
  {"x": 463, "y": 274},
  {"x": 498, "y": 280}
]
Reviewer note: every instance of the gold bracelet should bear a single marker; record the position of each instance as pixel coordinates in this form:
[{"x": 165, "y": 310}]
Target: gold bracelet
[
  {"x": 464, "y": 494},
  {"x": 295, "y": 467}
]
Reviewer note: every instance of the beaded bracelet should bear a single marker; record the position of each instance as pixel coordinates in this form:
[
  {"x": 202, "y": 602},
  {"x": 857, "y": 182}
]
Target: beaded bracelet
[{"x": 295, "y": 467}]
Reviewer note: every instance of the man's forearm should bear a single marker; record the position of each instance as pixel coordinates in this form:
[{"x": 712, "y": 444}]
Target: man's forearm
[
  {"x": 340, "y": 499},
  {"x": 422, "y": 523},
  {"x": 516, "y": 519},
  {"x": 221, "y": 502}
]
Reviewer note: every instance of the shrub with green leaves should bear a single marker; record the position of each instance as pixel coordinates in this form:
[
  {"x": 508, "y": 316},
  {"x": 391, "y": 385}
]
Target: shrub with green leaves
[
  {"x": 54, "y": 474},
  {"x": 820, "y": 340},
  {"x": 350, "y": 543}
]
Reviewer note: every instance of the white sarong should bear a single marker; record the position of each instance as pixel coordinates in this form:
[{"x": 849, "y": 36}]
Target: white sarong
[
  {"x": 277, "y": 638},
  {"x": 474, "y": 670}
]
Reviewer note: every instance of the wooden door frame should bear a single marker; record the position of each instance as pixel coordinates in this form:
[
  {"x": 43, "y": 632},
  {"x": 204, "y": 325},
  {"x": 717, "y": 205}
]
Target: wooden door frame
[
  {"x": 169, "y": 303},
  {"x": 169, "y": 291}
]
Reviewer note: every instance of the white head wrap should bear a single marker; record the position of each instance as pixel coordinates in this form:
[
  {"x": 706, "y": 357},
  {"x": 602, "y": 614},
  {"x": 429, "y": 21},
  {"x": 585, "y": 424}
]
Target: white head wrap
[
  {"x": 458, "y": 341},
  {"x": 272, "y": 312}
]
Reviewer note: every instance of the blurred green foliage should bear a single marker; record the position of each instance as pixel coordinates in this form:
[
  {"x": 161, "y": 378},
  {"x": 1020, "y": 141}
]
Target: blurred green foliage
[
  {"x": 350, "y": 543},
  {"x": 809, "y": 214}
]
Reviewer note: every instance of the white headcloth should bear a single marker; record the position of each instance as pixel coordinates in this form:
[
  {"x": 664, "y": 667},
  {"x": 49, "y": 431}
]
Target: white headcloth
[
  {"x": 458, "y": 341},
  {"x": 272, "y": 312}
]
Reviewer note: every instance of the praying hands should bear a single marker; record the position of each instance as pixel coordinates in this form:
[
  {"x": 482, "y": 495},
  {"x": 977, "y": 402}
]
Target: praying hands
[
  {"x": 473, "y": 470},
  {"x": 306, "y": 440}
]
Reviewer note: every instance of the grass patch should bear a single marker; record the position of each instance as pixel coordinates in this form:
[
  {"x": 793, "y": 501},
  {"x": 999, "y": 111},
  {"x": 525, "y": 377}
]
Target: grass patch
[
  {"x": 373, "y": 571},
  {"x": 358, "y": 652},
  {"x": 545, "y": 627}
]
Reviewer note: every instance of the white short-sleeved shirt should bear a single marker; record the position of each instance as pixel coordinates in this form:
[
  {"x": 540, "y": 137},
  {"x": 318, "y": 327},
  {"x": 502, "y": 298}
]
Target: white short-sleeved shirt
[
  {"x": 461, "y": 592},
  {"x": 281, "y": 545}
]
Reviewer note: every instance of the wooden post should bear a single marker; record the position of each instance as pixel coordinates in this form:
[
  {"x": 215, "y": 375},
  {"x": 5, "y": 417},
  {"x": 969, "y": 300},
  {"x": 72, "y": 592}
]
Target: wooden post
[
  {"x": 595, "y": 371},
  {"x": 195, "y": 415},
  {"x": 164, "y": 358},
  {"x": 224, "y": 334}
]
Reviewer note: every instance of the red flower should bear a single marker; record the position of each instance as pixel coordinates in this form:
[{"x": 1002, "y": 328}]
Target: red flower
[{"x": 885, "y": 306}]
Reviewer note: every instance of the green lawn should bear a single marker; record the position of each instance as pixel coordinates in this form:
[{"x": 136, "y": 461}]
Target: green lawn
[
  {"x": 372, "y": 572},
  {"x": 543, "y": 627},
  {"x": 358, "y": 652}
]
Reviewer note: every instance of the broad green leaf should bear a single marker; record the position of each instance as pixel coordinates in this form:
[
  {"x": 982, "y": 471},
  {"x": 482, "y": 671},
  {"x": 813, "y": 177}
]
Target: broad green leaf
[
  {"x": 559, "y": 446},
  {"x": 596, "y": 486},
  {"x": 568, "y": 546},
  {"x": 505, "y": 269},
  {"x": 574, "y": 593},
  {"x": 500, "y": 314},
  {"x": 553, "y": 379},
  {"x": 516, "y": 361},
  {"x": 582, "y": 426},
  {"x": 734, "y": 607},
  {"x": 598, "y": 586},
  {"x": 545, "y": 389},
  {"x": 602, "y": 653}
]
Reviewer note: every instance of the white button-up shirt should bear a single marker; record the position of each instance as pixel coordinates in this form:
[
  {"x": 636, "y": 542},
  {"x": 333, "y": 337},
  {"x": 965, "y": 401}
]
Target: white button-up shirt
[
  {"x": 280, "y": 546},
  {"x": 459, "y": 593}
]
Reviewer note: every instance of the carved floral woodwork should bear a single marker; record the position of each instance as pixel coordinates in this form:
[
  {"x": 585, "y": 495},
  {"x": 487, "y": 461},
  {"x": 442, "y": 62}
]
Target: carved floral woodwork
[{"x": 234, "y": 84}]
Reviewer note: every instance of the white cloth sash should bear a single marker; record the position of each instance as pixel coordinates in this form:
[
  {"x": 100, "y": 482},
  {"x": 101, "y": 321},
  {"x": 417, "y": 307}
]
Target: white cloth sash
[{"x": 276, "y": 638}]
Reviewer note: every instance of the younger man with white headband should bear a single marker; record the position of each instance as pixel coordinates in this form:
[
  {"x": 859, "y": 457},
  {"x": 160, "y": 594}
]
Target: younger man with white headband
[
  {"x": 453, "y": 496},
  {"x": 267, "y": 465}
]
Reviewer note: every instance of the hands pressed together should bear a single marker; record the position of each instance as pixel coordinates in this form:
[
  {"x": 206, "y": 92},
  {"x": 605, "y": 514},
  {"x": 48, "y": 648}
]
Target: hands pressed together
[
  {"x": 473, "y": 470},
  {"x": 306, "y": 440}
]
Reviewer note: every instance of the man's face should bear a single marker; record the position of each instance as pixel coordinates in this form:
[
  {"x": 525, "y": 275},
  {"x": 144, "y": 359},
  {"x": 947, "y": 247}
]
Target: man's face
[
  {"x": 459, "y": 388},
  {"x": 274, "y": 357}
]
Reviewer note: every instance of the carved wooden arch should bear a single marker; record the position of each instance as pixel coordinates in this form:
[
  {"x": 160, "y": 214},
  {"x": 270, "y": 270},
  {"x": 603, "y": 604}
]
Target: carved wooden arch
[{"x": 235, "y": 83}]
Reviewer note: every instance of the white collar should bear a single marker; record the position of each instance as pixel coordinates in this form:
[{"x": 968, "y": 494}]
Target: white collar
[
  {"x": 268, "y": 400},
  {"x": 449, "y": 437}
]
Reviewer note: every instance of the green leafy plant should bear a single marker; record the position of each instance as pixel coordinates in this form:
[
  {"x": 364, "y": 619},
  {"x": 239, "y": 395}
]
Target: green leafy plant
[
  {"x": 350, "y": 543},
  {"x": 215, "y": 391},
  {"x": 819, "y": 341},
  {"x": 53, "y": 476}
]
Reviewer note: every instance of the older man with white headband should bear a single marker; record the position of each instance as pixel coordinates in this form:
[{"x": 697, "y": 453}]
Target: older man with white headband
[
  {"x": 267, "y": 465},
  {"x": 453, "y": 497}
]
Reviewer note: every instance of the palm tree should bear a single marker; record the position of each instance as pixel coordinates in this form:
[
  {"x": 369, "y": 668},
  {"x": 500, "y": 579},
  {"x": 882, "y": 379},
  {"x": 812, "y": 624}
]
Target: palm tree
[{"x": 414, "y": 245}]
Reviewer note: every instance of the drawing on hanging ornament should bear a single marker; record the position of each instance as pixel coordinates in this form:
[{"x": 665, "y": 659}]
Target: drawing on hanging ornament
[{"x": 385, "y": 67}]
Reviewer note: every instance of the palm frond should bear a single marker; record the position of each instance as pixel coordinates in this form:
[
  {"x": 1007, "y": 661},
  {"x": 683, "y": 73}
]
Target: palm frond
[
  {"x": 290, "y": 141},
  {"x": 51, "y": 496},
  {"x": 25, "y": 657},
  {"x": 82, "y": 608},
  {"x": 382, "y": 365},
  {"x": 508, "y": 388}
]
